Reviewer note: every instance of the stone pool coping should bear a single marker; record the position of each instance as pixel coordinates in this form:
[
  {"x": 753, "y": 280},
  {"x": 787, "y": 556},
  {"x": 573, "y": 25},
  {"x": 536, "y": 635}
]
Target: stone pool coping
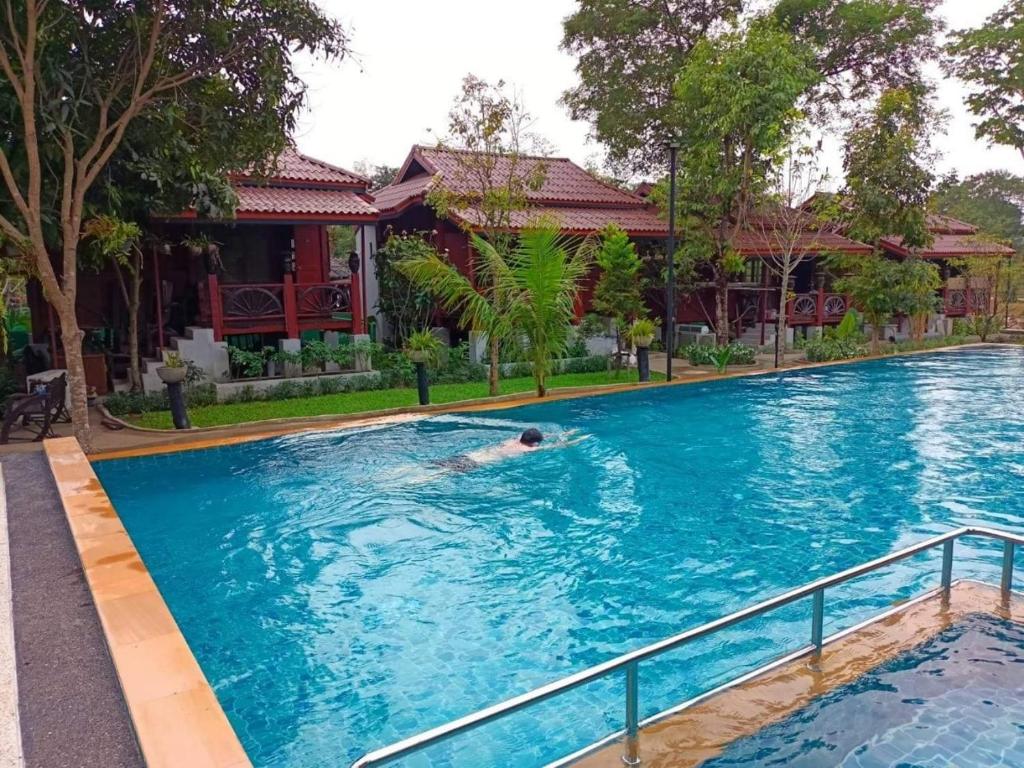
[
  {"x": 176, "y": 715},
  {"x": 216, "y": 437},
  {"x": 701, "y": 732}
]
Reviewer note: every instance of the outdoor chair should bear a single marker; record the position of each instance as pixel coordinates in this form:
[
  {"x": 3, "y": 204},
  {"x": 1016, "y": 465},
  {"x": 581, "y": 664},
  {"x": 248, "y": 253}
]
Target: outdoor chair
[{"x": 35, "y": 412}]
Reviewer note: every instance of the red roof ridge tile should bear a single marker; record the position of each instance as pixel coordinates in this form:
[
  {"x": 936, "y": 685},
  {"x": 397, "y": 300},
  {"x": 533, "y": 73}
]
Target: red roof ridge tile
[{"x": 331, "y": 166}]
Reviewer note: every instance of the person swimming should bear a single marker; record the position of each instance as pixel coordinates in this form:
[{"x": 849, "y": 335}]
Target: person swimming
[{"x": 530, "y": 440}]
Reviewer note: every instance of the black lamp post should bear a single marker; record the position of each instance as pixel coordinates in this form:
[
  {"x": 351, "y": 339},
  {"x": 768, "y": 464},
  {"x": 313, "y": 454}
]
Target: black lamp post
[{"x": 670, "y": 286}]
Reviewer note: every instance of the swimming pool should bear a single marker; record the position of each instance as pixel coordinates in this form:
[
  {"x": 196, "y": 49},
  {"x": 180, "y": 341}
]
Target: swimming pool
[
  {"x": 954, "y": 700},
  {"x": 338, "y": 597}
]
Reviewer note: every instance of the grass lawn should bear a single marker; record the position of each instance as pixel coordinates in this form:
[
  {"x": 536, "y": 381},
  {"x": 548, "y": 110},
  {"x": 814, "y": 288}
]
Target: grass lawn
[{"x": 374, "y": 400}]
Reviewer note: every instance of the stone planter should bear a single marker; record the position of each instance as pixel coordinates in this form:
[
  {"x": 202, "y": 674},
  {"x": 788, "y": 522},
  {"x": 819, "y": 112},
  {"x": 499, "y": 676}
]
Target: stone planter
[
  {"x": 170, "y": 375},
  {"x": 418, "y": 356},
  {"x": 644, "y": 341}
]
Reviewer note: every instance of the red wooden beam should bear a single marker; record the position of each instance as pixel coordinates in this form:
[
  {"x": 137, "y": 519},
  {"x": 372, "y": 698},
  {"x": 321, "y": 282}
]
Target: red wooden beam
[
  {"x": 291, "y": 312},
  {"x": 216, "y": 310}
]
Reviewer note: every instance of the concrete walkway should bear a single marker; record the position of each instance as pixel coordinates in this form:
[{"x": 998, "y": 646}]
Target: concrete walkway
[{"x": 72, "y": 713}]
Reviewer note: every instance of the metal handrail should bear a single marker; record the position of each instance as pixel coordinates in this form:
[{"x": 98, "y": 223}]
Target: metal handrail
[{"x": 629, "y": 662}]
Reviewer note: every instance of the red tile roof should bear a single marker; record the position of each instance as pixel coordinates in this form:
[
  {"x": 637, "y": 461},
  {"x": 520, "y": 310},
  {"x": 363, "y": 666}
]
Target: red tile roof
[
  {"x": 952, "y": 238},
  {"x": 756, "y": 243},
  {"x": 328, "y": 204},
  {"x": 293, "y": 167},
  {"x": 638, "y": 221},
  {"x": 563, "y": 181},
  {"x": 395, "y": 197},
  {"x": 946, "y": 246}
]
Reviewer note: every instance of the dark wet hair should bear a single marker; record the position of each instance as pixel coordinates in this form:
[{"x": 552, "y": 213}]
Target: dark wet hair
[{"x": 531, "y": 437}]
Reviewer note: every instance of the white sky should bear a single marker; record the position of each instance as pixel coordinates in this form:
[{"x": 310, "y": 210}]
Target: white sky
[{"x": 411, "y": 57}]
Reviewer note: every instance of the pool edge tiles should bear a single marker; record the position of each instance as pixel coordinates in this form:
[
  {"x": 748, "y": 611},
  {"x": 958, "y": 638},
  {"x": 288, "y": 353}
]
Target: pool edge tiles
[
  {"x": 253, "y": 431},
  {"x": 690, "y": 738},
  {"x": 176, "y": 715}
]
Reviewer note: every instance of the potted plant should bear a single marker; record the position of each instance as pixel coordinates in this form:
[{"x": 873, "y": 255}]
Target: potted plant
[
  {"x": 642, "y": 332},
  {"x": 423, "y": 347},
  {"x": 174, "y": 370}
]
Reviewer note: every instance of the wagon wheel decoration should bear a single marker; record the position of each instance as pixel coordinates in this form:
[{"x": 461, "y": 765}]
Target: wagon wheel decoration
[
  {"x": 835, "y": 306},
  {"x": 321, "y": 300},
  {"x": 805, "y": 305},
  {"x": 980, "y": 300},
  {"x": 252, "y": 303},
  {"x": 956, "y": 299}
]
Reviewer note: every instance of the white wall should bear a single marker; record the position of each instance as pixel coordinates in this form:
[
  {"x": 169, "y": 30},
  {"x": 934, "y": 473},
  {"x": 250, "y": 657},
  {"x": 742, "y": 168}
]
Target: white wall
[{"x": 366, "y": 247}]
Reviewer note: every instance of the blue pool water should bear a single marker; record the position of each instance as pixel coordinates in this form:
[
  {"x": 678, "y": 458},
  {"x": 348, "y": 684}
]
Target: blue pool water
[
  {"x": 339, "y": 598},
  {"x": 954, "y": 701}
]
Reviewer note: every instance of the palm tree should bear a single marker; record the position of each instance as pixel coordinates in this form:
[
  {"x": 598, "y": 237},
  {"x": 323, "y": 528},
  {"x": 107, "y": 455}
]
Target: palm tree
[{"x": 528, "y": 295}]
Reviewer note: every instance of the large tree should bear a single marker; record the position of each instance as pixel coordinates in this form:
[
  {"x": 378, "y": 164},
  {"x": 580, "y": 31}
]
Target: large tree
[
  {"x": 97, "y": 97},
  {"x": 495, "y": 166},
  {"x": 629, "y": 52},
  {"x": 735, "y": 115},
  {"x": 888, "y": 164},
  {"x": 792, "y": 224},
  {"x": 992, "y": 201},
  {"x": 990, "y": 59}
]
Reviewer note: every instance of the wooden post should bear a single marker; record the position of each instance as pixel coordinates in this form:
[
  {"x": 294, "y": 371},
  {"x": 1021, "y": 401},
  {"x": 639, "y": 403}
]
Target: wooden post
[
  {"x": 819, "y": 307},
  {"x": 356, "y": 298},
  {"x": 216, "y": 310},
  {"x": 291, "y": 312},
  {"x": 159, "y": 302}
]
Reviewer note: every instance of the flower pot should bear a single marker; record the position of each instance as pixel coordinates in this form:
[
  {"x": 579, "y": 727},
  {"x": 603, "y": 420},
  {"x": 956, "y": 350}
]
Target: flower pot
[
  {"x": 170, "y": 375},
  {"x": 418, "y": 356},
  {"x": 644, "y": 341}
]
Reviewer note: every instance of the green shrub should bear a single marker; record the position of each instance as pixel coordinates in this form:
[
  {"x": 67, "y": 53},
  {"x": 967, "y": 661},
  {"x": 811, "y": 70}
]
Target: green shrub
[
  {"x": 588, "y": 364},
  {"x": 707, "y": 354},
  {"x": 455, "y": 367},
  {"x": 125, "y": 403},
  {"x": 826, "y": 349},
  {"x": 248, "y": 364}
]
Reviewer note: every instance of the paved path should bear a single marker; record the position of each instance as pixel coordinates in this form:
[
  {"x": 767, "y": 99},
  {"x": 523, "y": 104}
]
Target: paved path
[{"x": 72, "y": 711}]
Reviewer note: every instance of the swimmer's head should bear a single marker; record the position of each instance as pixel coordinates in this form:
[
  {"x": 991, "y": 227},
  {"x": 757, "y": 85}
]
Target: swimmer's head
[{"x": 531, "y": 437}]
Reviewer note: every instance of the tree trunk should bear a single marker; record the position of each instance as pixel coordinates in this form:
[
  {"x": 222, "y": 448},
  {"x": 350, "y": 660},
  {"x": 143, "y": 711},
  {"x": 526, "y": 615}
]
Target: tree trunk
[
  {"x": 492, "y": 377},
  {"x": 135, "y": 374},
  {"x": 780, "y": 326},
  {"x": 875, "y": 334},
  {"x": 542, "y": 389},
  {"x": 71, "y": 339},
  {"x": 722, "y": 310}
]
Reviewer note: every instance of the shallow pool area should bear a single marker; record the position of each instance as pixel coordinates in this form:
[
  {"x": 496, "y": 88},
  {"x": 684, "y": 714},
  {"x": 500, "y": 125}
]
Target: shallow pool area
[
  {"x": 340, "y": 592},
  {"x": 956, "y": 700}
]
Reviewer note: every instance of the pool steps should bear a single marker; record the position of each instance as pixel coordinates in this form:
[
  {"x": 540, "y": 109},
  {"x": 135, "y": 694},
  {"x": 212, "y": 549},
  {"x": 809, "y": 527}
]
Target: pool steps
[{"x": 629, "y": 663}]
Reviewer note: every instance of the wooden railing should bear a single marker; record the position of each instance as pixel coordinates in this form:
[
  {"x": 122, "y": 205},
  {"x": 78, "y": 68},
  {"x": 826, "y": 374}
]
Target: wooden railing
[
  {"x": 819, "y": 308},
  {"x": 287, "y": 307},
  {"x": 959, "y": 302}
]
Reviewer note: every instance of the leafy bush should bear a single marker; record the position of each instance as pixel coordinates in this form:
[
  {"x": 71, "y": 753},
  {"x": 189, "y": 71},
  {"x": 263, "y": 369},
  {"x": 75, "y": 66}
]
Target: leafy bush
[
  {"x": 588, "y": 364},
  {"x": 826, "y": 349},
  {"x": 707, "y": 354},
  {"x": 577, "y": 347},
  {"x": 247, "y": 363},
  {"x": 396, "y": 370},
  {"x": 124, "y": 403},
  {"x": 455, "y": 367},
  {"x": 849, "y": 329}
]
